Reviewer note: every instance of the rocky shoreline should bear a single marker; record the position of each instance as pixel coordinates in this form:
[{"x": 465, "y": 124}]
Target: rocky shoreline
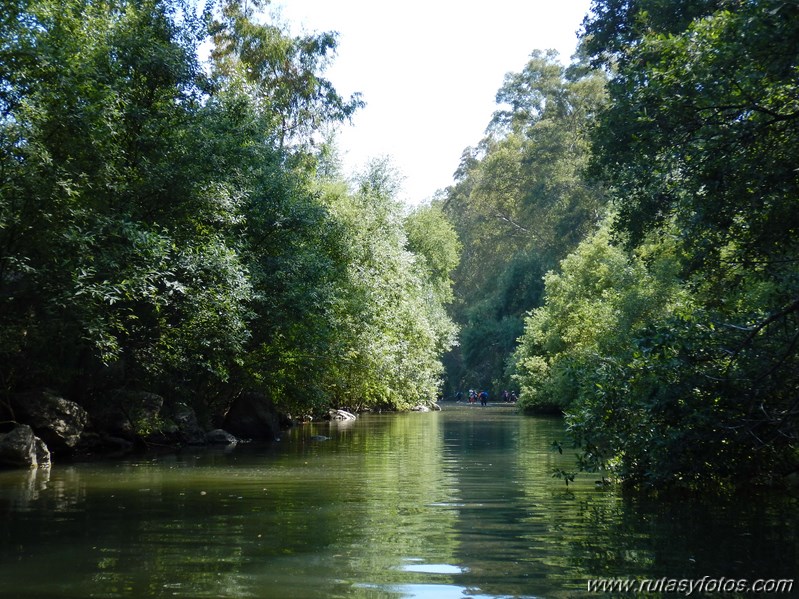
[{"x": 39, "y": 427}]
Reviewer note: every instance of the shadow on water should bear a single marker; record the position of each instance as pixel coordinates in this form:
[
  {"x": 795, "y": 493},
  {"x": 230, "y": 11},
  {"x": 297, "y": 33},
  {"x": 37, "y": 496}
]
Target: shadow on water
[{"x": 460, "y": 503}]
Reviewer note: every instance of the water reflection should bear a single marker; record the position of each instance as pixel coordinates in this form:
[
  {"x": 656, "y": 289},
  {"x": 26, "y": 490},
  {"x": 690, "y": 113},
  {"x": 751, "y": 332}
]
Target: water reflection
[
  {"x": 433, "y": 568},
  {"x": 453, "y": 504},
  {"x": 24, "y": 489}
]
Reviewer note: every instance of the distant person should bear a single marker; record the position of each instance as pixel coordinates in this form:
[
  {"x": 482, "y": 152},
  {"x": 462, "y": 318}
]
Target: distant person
[
  {"x": 458, "y": 395},
  {"x": 505, "y": 396},
  {"x": 513, "y": 397},
  {"x": 484, "y": 398}
]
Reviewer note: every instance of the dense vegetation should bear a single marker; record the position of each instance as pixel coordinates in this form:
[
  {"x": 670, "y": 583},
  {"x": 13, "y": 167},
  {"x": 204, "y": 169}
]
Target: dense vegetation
[
  {"x": 181, "y": 227},
  {"x": 623, "y": 242},
  {"x": 667, "y": 327},
  {"x": 520, "y": 203}
]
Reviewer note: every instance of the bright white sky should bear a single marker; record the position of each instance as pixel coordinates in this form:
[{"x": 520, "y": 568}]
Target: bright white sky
[{"x": 429, "y": 71}]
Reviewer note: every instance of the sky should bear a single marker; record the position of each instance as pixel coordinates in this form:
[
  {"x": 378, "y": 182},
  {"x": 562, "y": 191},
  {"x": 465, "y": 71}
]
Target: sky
[{"x": 429, "y": 71}]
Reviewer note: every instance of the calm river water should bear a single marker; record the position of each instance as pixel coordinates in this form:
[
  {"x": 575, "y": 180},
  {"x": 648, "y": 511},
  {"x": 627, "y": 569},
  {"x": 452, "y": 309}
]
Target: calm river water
[{"x": 454, "y": 504}]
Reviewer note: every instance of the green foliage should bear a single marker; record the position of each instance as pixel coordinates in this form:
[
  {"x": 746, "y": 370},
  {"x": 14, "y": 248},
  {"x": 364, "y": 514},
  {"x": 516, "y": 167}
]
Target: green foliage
[
  {"x": 104, "y": 206},
  {"x": 673, "y": 350},
  {"x": 628, "y": 352},
  {"x": 164, "y": 229},
  {"x": 708, "y": 136},
  {"x": 282, "y": 73},
  {"x": 432, "y": 239},
  {"x": 593, "y": 310},
  {"x": 390, "y": 310},
  {"x": 520, "y": 204}
]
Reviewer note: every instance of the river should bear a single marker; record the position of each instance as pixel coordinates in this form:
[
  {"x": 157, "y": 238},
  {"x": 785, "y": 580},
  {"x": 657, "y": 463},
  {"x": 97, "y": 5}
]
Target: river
[{"x": 452, "y": 504}]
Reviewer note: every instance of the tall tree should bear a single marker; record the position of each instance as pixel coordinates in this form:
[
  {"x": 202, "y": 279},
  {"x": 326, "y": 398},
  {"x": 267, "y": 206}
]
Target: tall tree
[
  {"x": 698, "y": 144},
  {"x": 178, "y": 231},
  {"x": 283, "y": 72},
  {"x": 392, "y": 324},
  {"x": 520, "y": 203},
  {"x": 109, "y": 226}
]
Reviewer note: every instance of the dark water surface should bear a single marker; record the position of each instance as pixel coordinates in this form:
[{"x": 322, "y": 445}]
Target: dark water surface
[{"x": 454, "y": 504}]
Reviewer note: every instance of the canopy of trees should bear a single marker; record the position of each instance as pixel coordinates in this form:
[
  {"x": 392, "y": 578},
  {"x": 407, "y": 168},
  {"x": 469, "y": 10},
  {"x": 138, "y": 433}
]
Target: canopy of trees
[
  {"x": 178, "y": 227},
  {"x": 519, "y": 204},
  {"x": 640, "y": 236},
  {"x": 700, "y": 143},
  {"x": 622, "y": 246}
]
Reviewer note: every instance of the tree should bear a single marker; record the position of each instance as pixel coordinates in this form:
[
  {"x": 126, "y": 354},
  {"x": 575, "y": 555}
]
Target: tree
[
  {"x": 283, "y": 73},
  {"x": 177, "y": 231},
  {"x": 520, "y": 204},
  {"x": 434, "y": 243},
  {"x": 391, "y": 322},
  {"x": 155, "y": 222},
  {"x": 701, "y": 126},
  {"x": 698, "y": 144},
  {"x": 109, "y": 226}
]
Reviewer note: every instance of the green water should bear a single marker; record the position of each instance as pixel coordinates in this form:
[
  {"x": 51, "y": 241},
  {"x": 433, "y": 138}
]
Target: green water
[{"x": 459, "y": 503}]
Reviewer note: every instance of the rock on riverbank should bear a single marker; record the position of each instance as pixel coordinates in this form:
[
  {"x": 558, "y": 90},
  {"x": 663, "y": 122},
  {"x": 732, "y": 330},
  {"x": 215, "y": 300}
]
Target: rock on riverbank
[
  {"x": 20, "y": 448},
  {"x": 40, "y": 422}
]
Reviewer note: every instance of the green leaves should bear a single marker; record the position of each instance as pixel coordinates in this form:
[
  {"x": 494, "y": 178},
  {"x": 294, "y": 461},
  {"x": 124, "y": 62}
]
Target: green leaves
[
  {"x": 436, "y": 248},
  {"x": 170, "y": 229},
  {"x": 700, "y": 126},
  {"x": 282, "y": 73},
  {"x": 592, "y": 308},
  {"x": 521, "y": 203},
  {"x": 389, "y": 309},
  {"x": 673, "y": 354}
]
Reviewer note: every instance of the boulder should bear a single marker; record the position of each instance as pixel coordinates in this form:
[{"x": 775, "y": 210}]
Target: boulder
[
  {"x": 57, "y": 421},
  {"x": 220, "y": 437},
  {"x": 253, "y": 416},
  {"x": 341, "y": 415},
  {"x": 188, "y": 429},
  {"x": 20, "y": 448}
]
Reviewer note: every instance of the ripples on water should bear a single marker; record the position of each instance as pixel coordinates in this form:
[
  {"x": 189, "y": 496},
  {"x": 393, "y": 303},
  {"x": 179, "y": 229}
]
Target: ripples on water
[{"x": 459, "y": 503}]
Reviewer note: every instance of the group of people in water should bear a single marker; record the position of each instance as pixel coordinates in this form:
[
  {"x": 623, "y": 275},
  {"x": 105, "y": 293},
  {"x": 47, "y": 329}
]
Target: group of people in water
[{"x": 482, "y": 396}]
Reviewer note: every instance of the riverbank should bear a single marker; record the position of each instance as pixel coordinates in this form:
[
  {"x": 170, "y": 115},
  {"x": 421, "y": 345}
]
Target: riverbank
[{"x": 40, "y": 427}]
